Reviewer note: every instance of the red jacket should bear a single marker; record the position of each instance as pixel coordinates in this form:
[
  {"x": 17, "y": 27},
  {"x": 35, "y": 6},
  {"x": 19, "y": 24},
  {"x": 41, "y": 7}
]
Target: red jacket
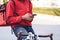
[{"x": 21, "y": 9}]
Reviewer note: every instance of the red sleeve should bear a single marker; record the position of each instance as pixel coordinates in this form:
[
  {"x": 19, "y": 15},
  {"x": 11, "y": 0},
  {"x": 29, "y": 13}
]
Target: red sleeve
[
  {"x": 30, "y": 10},
  {"x": 10, "y": 12}
]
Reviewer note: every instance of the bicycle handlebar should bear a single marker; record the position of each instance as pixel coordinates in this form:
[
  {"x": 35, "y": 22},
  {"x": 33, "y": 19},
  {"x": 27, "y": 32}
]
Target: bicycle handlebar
[{"x": 50, "y": 35}]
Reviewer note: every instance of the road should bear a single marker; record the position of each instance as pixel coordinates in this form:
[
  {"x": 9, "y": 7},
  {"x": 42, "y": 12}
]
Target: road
[{"x": 46, "y": 19}]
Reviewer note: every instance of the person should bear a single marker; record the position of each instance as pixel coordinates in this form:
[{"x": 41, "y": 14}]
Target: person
[{"x": 22, "y": 18}]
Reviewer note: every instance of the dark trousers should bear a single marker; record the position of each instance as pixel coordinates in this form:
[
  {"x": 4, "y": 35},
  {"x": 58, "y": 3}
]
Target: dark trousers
[{"x": 25, "y": 30}]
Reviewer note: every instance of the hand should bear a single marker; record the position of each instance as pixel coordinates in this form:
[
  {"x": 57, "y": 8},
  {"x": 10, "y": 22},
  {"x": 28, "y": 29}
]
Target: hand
[{"x": 27, "y": 16}]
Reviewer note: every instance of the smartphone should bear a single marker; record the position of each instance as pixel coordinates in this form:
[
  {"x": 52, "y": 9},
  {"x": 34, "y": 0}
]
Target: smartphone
[{"x": 34, "y": 14}]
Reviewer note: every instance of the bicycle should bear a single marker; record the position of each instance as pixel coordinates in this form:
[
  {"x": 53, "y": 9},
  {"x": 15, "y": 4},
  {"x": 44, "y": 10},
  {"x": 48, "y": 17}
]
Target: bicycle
[{"x": 31, "y": 36}]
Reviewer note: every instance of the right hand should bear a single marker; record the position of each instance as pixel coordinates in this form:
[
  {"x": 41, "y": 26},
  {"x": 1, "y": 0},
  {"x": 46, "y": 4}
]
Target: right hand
[{"x": 27, "y": 16}]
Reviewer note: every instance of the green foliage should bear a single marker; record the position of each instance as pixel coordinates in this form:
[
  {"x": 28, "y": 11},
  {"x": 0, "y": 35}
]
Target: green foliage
[
  {"x": 50, "y": 11},
  {"x": 5, "y": 1}
]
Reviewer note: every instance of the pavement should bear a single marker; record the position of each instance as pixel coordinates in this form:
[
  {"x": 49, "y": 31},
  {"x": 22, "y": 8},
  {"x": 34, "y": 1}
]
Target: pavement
[{"x": 45, "y": 19}]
